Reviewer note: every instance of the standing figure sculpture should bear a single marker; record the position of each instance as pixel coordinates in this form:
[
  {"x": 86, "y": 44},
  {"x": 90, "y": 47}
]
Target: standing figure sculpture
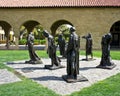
[
  {"x": 61, "y": 43},
  {"x": 56, "y": 63},
  {"x": 88, "y": 46},
  {"x": 106, "y": 62},
  {"x": 34, "y": 59},
  {"x": 73, "y": 58}
]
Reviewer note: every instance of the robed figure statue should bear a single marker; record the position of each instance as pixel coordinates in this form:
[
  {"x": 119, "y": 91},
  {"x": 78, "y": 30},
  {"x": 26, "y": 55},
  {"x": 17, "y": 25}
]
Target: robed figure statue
[
  {"x": 88, "y": 47},
  {"x": 56, "y": 62},
  {"x": 61, "y": 43},
  {"x": 34, "y": 59},
  {"x": 106, "y": 61},
  {"x": 73, "y": 54},
  {"x": 73, "y": 57}
]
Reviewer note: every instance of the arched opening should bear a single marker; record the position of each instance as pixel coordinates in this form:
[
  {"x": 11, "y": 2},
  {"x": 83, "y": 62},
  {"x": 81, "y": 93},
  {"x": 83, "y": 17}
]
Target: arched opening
[
  {"x": 7, "y": 37},
  {"x": 60, "y": 31},
  {"x": 64, "y": 31},
  {"x": 2, "y": 36},
  {"x": 57, "y": 24},
  {"x": 61, "y": 27},
  {"x": 115, "y": 31},
  {"x": 36, "y": 28},
  {"x": 30, "y": 25}
]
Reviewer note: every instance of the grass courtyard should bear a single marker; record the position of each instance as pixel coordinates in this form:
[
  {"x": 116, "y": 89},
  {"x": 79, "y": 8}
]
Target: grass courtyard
[{"x": 108, "y": 87}]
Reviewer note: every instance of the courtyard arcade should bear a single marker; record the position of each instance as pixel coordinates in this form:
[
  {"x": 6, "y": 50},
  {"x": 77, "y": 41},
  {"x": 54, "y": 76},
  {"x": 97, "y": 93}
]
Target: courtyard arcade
[{"x": 95, "y": 20}]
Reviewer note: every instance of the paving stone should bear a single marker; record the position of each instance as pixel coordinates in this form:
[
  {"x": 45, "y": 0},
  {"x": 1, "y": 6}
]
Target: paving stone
[
  {"x": 7, "y": 77},
  {"x": 53, "y": 78}
]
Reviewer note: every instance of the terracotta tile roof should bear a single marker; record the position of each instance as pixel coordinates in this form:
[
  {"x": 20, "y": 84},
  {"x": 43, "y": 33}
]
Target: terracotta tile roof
[{"x": 58, "y": 3}]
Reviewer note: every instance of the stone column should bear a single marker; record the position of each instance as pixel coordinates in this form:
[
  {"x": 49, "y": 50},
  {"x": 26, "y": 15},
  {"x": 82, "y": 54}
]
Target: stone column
[{"x": 16, "y": 33}]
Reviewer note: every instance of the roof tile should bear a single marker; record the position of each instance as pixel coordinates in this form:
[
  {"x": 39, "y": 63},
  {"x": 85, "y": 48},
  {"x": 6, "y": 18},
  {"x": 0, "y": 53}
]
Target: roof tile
[{"x": 58, "y": 3}]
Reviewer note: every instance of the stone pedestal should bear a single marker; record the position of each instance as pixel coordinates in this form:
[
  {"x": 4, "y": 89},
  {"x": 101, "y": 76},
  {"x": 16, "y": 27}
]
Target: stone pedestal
[
  {"x": 79, "y": 78},
  {"x": 106, "y": 67}
]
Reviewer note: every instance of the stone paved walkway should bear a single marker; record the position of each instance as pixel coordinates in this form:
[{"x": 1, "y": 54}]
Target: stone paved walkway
[
  {"x": 7, "y": 77},
  {"x": 53, "y": 78}
]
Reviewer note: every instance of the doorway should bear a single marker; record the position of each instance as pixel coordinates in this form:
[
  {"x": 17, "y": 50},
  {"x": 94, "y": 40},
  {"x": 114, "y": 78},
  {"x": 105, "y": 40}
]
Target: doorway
[
  {"x": 115, "y": 40},
  {"x": 115, "y": 31}
]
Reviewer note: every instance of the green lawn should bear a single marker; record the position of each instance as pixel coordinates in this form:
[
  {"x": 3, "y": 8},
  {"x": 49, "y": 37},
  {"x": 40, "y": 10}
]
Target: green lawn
[
  {"x": 108, "y": 87},
  {"x": 97, "y": 53},
  {"x": 25, "y": 88}
]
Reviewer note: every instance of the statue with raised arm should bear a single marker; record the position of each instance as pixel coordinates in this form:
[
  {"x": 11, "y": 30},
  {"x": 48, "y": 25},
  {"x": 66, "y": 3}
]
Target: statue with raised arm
[
  {"x": 106, "y": 61},
  {"x": 88, "y": 46},
  {"x": 56, "y": 62},
  {"x": 73, "y": 58},
  {"x": 34, "y": 59}
]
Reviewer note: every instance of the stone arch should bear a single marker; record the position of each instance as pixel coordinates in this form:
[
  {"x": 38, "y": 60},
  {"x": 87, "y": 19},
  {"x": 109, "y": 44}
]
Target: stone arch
[
  {"x": 58, "y": 23},
  {"x": 8, "y": 30},
  {"x": 30, "y": 24},
  {"x": 115, "y": 31},
  {"x": 6, "y": 27}
]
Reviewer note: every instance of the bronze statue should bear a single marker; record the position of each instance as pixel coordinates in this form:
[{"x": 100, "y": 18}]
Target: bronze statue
[
  {"x": 34, "y": 59},
  {"x": 56, "y": 62},
  {"x": 88, "y": 46},
  {"x": 61, "y": 43},
  {"x": 106, "y": 58},
  {"x": 73, "y": 58}
]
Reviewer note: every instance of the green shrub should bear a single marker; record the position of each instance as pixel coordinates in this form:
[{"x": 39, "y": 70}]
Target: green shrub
[
  {"x": 36, "y": 42},
  {"x": 42, "y": 42},
  {"x": 22, "y": 42}
]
